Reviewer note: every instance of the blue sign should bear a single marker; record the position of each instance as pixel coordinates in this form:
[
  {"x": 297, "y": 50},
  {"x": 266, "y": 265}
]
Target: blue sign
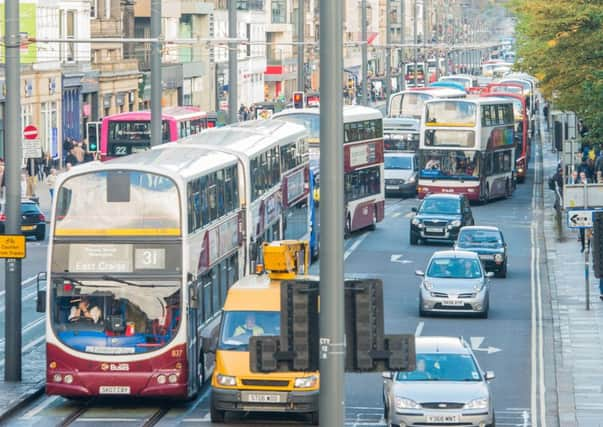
[{"x": 54, "y": 145}]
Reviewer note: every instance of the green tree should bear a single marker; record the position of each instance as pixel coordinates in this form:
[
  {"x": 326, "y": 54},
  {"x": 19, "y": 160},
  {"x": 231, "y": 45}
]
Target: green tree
[{"x": 561, "y": 43}]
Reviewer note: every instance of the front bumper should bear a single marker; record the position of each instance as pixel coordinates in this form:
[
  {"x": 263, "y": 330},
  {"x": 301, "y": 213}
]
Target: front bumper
[
  {"x": 288, "y": 401},
  {"x": 447, "y": 233},
  {"x": 434, "y": 301},
  {"x": 430, "y": 417},
  {"x": 406, "y": 188}
]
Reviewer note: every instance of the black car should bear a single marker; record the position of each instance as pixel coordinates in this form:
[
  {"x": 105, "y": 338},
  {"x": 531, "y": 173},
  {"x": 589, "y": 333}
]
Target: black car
[
  {"x": 489, "y": 244},
  {"x": 33, "y": 222},
  {"x": 440, "y": 217}
]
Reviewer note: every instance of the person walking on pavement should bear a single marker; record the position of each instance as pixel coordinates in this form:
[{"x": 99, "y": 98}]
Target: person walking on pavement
[{"x": 51, "y": 180}]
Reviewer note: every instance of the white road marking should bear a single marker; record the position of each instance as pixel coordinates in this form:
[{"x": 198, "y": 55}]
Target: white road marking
[
  {"x": 419, "y": 329},
  {"x": 107, "y": 420},
  {"x": 36, "y": 410},
  {"x": 24, "y": 282},
  {"x": 396, "y": 215},
  {"x": 354, "y": 246},
  {"x": 476, "y": 343}
]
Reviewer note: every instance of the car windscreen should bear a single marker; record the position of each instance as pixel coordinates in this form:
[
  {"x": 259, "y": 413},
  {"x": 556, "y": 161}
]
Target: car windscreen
[
  {"x": 480, "y": 238},
  {"x": 454, "y": 268},
  {"x": 398, "y": 162},
  {"x": 440, "y": 206},
  {"x": 442, "y": 367}
]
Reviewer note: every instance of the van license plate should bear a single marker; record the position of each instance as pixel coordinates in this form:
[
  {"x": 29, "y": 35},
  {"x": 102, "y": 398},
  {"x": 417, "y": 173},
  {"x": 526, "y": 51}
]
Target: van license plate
[
  {"x": 114, "y": 389},
  {"x": 263, "y": 398}
]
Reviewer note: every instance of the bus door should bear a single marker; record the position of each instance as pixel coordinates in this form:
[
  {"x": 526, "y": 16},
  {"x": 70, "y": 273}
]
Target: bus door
[{"x": 195, "y": 367}]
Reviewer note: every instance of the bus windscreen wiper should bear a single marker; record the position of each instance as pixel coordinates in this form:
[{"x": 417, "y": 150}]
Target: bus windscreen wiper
[{"x": 126, "y": 282}]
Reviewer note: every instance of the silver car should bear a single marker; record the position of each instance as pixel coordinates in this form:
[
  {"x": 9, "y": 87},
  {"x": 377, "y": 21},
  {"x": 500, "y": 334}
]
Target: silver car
[
  {"x": 454, "y": 282},
  {"x": 447, "y": 388}
]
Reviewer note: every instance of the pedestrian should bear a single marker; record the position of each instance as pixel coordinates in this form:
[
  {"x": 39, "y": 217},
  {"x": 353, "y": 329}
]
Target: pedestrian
[
  {"x": 545, "y": 112},
  {"x": 51, "y": 180},
  {"x": 1, "y": 180},
  {"x": 40, "y": 167}
]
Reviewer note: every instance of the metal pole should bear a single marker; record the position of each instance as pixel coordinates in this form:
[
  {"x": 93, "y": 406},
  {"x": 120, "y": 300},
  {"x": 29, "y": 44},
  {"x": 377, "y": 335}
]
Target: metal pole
[
  {"x": 156, "y": 128},
  {"x": 301, "y": 83},
  {"x": 14, "y": 158},
  {"x": 332, "y": 342},
  {"x": 402, "y": 41},
  {"x": 414, "y": 37},
  {"x": 233, "y": 66},
  {"x": 388, "y": 51},
  {"x": 586, "y": 259},
  {"x": 363, "y": 87}
]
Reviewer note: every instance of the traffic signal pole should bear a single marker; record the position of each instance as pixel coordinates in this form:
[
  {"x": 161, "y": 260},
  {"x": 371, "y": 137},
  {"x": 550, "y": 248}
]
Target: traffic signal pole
[
  {"x": 301, "y": 83},
  {"x": 363, "y": 84},
  {"x": 233, "y": 65},
  {"x": 332, "y": 342},
  {"x": 14, "y": 158}
]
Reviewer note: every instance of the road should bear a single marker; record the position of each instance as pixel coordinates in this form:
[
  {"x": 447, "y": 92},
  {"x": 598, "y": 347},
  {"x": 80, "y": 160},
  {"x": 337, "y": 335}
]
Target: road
[{"x": 501, "y": 342}]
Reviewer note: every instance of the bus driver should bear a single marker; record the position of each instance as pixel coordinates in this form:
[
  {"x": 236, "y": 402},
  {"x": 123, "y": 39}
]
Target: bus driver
[{"x": 83, "y": 311}]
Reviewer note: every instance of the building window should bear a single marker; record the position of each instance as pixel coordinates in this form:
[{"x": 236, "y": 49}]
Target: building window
[
  {"x": 279, "y": 11},
  {"x": 93, "y": 8},
  {"x": 49, "y": 122},
  {"x": 67, "y": 31},
  {"x": 26, "y": 114},
  {"x": 107, "y": 9}
]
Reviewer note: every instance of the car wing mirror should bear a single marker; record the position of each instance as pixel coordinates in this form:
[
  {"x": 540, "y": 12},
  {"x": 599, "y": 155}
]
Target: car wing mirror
[
  {"x": 489, "y": 274},
  {"x": 490, "y": 375},
  {"x": 419, "y": 273},
  {"x": 414, "y": 209},
  {"x": 387, "y": 375}
]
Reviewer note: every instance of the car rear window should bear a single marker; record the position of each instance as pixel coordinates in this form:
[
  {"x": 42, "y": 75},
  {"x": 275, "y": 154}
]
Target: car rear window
[{"x": 29, "y": 208}]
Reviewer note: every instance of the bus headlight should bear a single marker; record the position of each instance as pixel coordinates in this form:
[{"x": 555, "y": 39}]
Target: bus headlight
[
  {"x": 161, "y": 379},
  {"x": 306, "y": 382},
  {"x": 173, "y": 378},
  {"x": 57, "y": 378},
  {"x": 68, "y": 379},
  {"x": 226, "y": 380}
]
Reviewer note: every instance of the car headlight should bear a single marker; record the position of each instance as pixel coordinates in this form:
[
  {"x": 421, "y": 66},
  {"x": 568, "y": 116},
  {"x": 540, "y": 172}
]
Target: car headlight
[
  {"x": 498, "y": 258},
  {"x": 478, "y": 286},
  {"x": 403, "y": 403},
  {"x": 456, "y": 223},
  {"x": 226, "y": 380},
  {"x": 306, "y": 382},
  {"x": 477, "y": 403},
  {"x": 416, "y": 221},
  {"x": 428, "y": 285},
  {"x": 411, "y": 180}
]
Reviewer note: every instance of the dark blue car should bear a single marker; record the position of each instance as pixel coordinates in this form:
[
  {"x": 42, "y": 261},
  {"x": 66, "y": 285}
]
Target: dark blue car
[{"x": 488, "y": 243}]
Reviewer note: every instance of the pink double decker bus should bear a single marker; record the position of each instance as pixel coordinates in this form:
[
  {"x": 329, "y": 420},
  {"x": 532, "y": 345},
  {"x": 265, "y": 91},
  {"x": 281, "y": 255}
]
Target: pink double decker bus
[{"x": 127, "y": 133}]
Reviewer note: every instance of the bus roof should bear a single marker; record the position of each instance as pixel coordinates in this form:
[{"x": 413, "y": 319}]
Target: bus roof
[
  {"x": 254, "y": 292},
  {"x": 174, "y": 113},
  {"x": 250, "y": 137},
  {"x": 173, "y": 160},
  {"x": 401, "y": 123},
  {"x": 351, "y": 113},
  {"x": 478, "y": 100},
  {"x": 436, "y": 92}
]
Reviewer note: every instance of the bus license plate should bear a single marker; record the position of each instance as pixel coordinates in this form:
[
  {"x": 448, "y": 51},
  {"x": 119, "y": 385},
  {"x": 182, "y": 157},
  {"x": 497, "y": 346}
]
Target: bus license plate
[
  {"x": 263, "y": 398},
  {"x": 441, "y": 419},
  {"x": 114, "y": 389}
]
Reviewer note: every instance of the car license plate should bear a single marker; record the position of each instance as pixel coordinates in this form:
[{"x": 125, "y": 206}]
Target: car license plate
[
  {"x": 263, "y": 398},
  {"x": 454, "y": 302},
  {"x": 486, "y": 257},
  {"x": 443, "y": 419},
  {"x": 114, "y": 389},
  {"x": 391, "y": 187},
  {"x": 434, "y": 230},
  {"x": 27, "y": 227}
]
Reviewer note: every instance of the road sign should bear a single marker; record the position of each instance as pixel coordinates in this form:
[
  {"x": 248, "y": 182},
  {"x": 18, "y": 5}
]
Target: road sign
[
  {"x": 12, "y": 246},
  {"x": 575, "y": 196},
  {"x": 32, "y": 148},
  {"x": 580, "y": 218},
  {"x": 30, "y": 132}
]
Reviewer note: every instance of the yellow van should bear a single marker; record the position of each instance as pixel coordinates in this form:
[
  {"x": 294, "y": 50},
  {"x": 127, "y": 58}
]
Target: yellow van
[{"x": 253, "y": 307}]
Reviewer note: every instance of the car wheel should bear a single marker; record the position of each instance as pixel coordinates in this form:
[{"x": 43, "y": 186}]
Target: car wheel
[
  {"x": 484, "y": 314},
  {"x": 314, "y": 418},
  {"x": 422, "y": 313},
  {"x": 348, "y": 228},
  {"x": 216, "y": 415},
  {"x": 502, "y": 273},
  {"x": 414, "y": 239},
  {"x": 493, "y": 421},
  {"x": 41, "y": 234}
]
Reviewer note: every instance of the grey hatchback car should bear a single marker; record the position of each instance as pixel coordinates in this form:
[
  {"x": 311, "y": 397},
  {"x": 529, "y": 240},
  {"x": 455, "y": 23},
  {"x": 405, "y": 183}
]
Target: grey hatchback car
[
  {"x": 454, "y": 282},
  {"x": 448, "y": 387}
]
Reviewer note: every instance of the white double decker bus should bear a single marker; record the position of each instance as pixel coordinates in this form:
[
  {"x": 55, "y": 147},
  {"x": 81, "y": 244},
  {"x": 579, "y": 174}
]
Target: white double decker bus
[{"x": 467, "y": 146}]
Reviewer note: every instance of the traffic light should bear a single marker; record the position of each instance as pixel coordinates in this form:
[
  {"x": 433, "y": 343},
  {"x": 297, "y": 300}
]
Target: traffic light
[
  {"x": 597, "y": 244},
  {"x": 298, "y": 100},
  {"x": 93, "y": 130}
]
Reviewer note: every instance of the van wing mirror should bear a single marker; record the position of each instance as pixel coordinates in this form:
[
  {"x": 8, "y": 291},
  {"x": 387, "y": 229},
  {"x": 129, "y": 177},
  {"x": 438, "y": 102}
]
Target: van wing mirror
[
  {"x": 41, "y": 293},
  {"x": 208, "y": 345}
]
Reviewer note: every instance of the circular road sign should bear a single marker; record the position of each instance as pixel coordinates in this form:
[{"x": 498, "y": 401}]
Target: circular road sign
[{"x": 30, "y": 132}]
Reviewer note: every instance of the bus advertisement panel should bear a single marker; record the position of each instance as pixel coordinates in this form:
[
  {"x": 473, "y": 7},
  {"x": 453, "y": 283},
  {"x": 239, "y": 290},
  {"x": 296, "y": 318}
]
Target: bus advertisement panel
[{"x": 468, "y": 147}]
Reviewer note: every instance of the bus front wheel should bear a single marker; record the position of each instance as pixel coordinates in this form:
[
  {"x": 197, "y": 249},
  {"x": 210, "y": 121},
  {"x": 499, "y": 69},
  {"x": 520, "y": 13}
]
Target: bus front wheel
[{"x": 348, "y": 228}]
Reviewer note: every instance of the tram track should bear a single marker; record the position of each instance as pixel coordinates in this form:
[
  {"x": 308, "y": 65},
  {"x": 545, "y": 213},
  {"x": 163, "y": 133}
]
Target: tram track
[
  {"x": 77, "y": 414},
  {"x": 74, "y": 416}
]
